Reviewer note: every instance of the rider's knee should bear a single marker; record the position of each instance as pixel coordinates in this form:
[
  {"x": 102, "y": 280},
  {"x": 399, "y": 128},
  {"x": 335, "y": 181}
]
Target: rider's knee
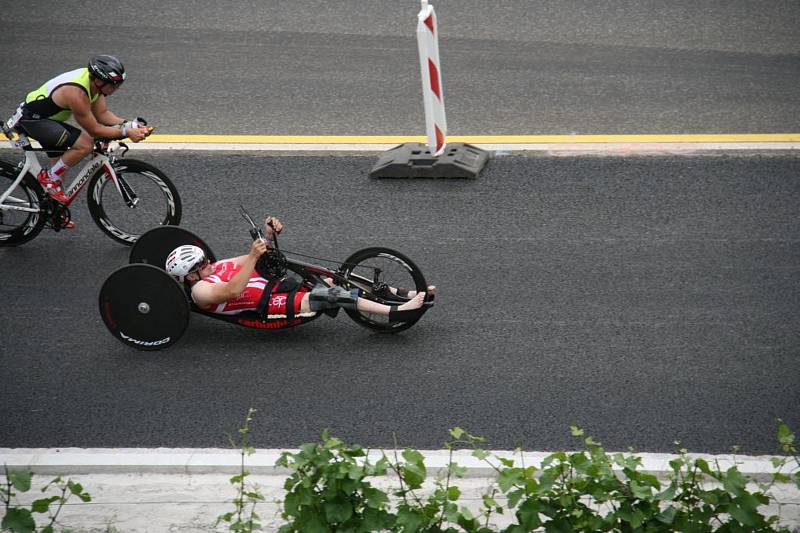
[
  {"x": 83, "y": 144},
  {"x": 323, "y": 297}
]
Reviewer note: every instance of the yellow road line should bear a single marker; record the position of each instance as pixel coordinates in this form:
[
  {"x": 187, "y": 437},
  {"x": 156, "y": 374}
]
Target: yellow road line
[{"x": 477, "y": 139}]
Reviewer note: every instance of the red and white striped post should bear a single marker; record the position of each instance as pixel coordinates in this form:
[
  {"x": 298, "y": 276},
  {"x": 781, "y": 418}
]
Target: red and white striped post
[
  {"x": 412, "y": 160},
  {"x": 432, "y": 88}
]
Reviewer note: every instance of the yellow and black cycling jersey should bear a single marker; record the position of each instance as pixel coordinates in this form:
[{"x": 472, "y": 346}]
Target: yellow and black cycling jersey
[{"x": 39, "y": 103}]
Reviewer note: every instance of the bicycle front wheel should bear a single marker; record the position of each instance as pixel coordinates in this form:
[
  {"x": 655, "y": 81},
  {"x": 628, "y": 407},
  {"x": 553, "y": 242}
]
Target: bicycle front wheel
[
  {"x": 21, "y": 216},
  {"x": 157, "y": 201},
  {"x": 382, "y": 275}
]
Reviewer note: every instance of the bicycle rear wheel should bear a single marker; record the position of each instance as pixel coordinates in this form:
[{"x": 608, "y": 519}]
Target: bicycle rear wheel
[
  {"x": 21, "y": 216},
  {"x": 377, "y": 271},
  {"x": 158, "y": 201}
]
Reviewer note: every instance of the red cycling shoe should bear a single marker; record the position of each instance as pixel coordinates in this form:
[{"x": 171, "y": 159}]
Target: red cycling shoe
[{"x": 52, "y": 187}]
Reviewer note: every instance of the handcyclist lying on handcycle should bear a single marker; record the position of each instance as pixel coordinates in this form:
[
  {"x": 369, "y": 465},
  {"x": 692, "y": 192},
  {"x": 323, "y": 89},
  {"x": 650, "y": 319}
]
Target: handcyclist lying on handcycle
[{"x": 233, "y": 285}]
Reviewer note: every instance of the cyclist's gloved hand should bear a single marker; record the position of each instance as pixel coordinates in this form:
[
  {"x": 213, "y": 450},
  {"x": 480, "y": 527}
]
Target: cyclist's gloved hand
[
  {"x": 138, "y": 123},
  {"x": 137, "y": 134}
]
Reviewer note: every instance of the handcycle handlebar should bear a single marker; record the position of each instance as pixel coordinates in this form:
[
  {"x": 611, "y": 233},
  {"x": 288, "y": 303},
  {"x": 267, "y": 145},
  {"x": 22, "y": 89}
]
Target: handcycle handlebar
[{"x": 273, "y": 261}]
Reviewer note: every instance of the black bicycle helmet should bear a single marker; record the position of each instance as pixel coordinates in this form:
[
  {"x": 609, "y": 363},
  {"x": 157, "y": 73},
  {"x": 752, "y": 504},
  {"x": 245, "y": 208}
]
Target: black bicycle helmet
[{"x": 107, "y": 68}]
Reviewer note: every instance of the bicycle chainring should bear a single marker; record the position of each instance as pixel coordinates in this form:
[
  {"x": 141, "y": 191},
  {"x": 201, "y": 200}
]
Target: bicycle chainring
[
  {"x": 381, "y": 290},
  {"x": 274, "y": 264},
  {"x": 58, "y": 216}
]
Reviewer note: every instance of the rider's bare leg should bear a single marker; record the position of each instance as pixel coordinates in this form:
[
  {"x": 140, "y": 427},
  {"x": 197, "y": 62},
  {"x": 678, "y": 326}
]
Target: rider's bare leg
[
  {"x": 407, "y": 294},
  {"x": 410, "y": 294},
  {"x": 368, "y": 306},
  {"x": 79, "y": 150},
  {"x": 70, "y": 158}
]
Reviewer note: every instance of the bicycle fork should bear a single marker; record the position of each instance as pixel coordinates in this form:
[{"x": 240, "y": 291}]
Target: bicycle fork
[{"x": 127, "y": 193}]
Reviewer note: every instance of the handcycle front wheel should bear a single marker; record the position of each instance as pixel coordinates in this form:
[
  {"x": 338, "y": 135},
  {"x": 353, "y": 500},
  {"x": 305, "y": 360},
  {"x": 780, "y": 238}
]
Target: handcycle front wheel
[
  {"x": 21, "y": 216},
  {"x": 379, "y": 273},
  {"x": 158, "y": 201}
]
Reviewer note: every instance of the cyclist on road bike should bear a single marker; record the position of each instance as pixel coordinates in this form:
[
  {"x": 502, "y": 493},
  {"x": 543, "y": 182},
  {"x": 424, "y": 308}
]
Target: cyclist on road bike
[
  {"x": 81, "y": 92},
  {"x": 232, "y": 285}
]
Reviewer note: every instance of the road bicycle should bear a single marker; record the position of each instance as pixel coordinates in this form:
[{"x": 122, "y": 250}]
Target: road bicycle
[
  {"x": 147, "y": 309},
  {"x": 126, "y": 197}
]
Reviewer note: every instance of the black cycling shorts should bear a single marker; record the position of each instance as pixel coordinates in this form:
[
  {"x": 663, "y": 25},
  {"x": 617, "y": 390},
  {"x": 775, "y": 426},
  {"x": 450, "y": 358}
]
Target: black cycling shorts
[{"x": 54, "y": 136}]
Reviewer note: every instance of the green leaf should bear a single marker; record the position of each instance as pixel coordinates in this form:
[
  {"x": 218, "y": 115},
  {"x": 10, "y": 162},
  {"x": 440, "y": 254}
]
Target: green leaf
[
  {"x": 456, "y": 470},
  {"x": 338, "y": 511},
  {"x": 456, "y": 432},
  {"x": 413, "y": 475},
  {"x": 744, "y": 516},
  {"x": 451, "y": 512},
  {"x": 667, "y": 516},
  {"x": 642, "y": 492},
  {"x": 702, "y": 464},
  {"x": 42, "y": 505},
  {"x": 785, "y": 435},
  {"x": 48, "y": 529},
  {"x": 734, "y": 482},
  {"x": 667, "y": 494},
  {"x": 576, "y": 431},
  {"x": 514, "y": 497},
  {"x": 489, "y": 502},
  {"x": 355, "y": 472},
  {"x": 377, "y": 520},
  {"x": 20, "y": 479},
  {"x": 508, "y": 478},
  {"x": 381, "y": 466},
  {"x": 413, "y": 456},
  {"x": 18, "y": 520},
  {"x": 480, "y": 454},
  {"x": 453, "y": 493},
  {"x": 375, "y": 498},
  {"x": 409, "y": 521},
  {"x": 74, "y": 488},
  {"x": 466, "y": 513},
  {"x": 528, "y": 514}
]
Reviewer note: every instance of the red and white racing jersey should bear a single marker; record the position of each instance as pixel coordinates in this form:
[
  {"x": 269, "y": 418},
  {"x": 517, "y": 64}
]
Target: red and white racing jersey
[{"x": 223, "y": 272}]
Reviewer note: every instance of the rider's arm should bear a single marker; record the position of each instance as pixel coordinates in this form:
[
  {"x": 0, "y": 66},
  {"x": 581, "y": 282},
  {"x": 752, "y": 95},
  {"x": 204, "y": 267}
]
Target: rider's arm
[
  {"x": 103, "y": 114},
  {"x": 206, "y": 294},
  {"x": 75, "y": 98}
]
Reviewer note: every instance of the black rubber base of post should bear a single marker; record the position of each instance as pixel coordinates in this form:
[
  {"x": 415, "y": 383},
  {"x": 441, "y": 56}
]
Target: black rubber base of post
[{"x": 414, "y": 160}]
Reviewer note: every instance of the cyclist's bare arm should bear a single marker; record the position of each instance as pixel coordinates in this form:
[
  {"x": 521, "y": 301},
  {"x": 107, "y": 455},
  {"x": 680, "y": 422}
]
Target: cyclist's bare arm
[
  {"x": 103, "y": 114},
  {"x": 206, "y": 294},
  {"x": 75, "y": 99}
]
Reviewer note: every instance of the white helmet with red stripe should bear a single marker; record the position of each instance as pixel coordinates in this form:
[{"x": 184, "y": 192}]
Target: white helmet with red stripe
[{"x": 183, "y": 260}]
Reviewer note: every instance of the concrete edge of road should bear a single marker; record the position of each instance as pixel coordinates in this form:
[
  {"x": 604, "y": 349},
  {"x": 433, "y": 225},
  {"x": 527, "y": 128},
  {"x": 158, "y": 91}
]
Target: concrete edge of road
[{"x": 82, "y": 461}]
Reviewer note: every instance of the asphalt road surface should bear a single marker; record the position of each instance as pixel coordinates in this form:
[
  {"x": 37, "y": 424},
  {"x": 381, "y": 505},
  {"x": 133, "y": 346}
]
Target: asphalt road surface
[
  {"x": 351, "y": 67},
  {"x": 647, "y": 300}
]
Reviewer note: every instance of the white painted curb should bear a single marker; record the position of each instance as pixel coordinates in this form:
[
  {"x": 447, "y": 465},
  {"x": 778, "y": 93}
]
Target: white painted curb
[{"x": 80, "y": 461}]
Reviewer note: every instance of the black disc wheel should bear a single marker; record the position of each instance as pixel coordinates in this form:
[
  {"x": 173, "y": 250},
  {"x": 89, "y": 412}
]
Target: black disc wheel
[
  {"x": 154, "y": 200},
  {"x": 21, "y": 216},
  {"x": 144, "y": 307},
  {"x": 383, "y": 275},
  {"x": 155, "y": 245}
]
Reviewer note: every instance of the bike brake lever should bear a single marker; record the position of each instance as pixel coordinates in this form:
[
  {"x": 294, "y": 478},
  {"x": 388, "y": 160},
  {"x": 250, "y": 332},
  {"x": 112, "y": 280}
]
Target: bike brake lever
[{"x": 255, "y": 233}]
